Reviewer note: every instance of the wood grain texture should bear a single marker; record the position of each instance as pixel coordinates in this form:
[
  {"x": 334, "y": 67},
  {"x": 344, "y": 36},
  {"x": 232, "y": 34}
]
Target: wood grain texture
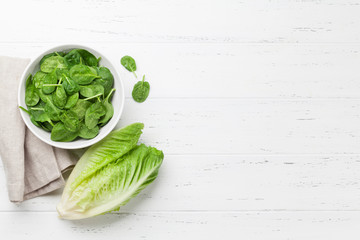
[
  {"x": 181, "y": 21},
  {"x": 179, "y": 225},
  {"x": 231, "y": 70},
  {"x": 255, "y": 103}
]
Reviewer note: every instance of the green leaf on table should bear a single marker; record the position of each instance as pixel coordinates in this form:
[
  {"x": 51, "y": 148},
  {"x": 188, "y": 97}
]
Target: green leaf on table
[
  {"x": 141, "y": 90},
  {"x": 129, "y": 63}
]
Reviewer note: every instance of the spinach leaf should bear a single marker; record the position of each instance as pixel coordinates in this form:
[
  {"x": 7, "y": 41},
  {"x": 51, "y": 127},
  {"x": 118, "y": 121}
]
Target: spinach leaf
[
  {"x": 93, "y": 114},
  {"x": 87, "y": 133},
  {"x": 38, "y": 79},
  {"x": 46, "y": 126},
  {"x": 91, "y": 90},
  {"x": 38, "y": 115},
  {"x": 31, "y": 94},
  {"x": 129, "y": 63},
  {"x": 70, "y": 120},
  {"x": 71, "y": 101},
  {"x": 60, "y": 97},
  {"x": 49, "y": 81},
  {"x": 44, "y": 97},
  {"x": 61, "y": 134},
  {"x": 52, "y": 110},
  {"x": 73, "y": 58},
  {"x": 141, "y": 91},
  {"x": 89, "y": 58},
  {"x": 50, "y": 55},
  {"x": 106, "y": 79},
  {"x": 108, "y": 108},
  {"x": 70, "y": 85},
  {"x": 83, "y": 74},
  {"x": 52, "y": 63},
  {"x": 80, "y": 108},
  {"x": 61, "y": 72},
  {"x": 38, "y": 124}
]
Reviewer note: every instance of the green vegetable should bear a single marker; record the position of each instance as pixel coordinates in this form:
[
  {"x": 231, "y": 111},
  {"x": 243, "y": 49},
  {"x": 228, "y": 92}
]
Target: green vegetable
[
  {"x": 50, "y": 64},
  {"x": 89, "y": 58},
  {"x": 129, "y": 63},
  {"x": 112, "y": 147},
  {"x": 61, "y": 134},
  {"x": 39, "y": 79},
  {"x": 93, "y": 114},
  {"x": 52, "y": 110},
  {"x": 31, "y": 94},
  {"x": 70, "y": 85},
  {"x": 109, "y": 174},
  {"x": 64, "y": 89},
  {"x": 83, "y": 74},
  {"x": 49, "y": 83},
  {"x": 60, "y": 97},
  {"x": 38, "y": 114},
  {"x": 42, "y": 95},
  {"x": 106, "y": 79},
  {"x": 73, "y": 58},
  {"x": 87, "y": 133},
  {"x": 109, "y": 109},
  {"x": 141, "y": 91},
  {"x": 91, "y": 90},
  {"x": 80, "y": 108},
  {"x": 71, "y": 121},
  {"x": 71, "y": 101},
  {"x": 50, "y": 55},
  {"x": 47, "y": 126}
]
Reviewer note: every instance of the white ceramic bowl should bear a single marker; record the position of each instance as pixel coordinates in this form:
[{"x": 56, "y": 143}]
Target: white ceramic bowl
[{"x": 117, "y": 100}]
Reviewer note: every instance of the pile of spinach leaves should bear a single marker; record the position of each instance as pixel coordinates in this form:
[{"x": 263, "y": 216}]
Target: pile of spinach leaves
[{"x": 70, "y": 96}]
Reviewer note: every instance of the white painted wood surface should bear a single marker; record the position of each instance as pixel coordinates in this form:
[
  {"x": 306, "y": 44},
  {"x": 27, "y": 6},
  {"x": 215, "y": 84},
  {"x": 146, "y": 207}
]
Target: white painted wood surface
[{"x": 256, "y": 105}]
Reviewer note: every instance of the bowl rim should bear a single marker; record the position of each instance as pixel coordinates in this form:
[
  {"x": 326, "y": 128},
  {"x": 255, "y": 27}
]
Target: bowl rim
[{"x": 88, "y": 142}]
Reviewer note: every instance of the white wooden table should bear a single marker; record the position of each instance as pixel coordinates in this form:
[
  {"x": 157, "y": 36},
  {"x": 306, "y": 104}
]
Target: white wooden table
[{"x": 256, "y": 105}]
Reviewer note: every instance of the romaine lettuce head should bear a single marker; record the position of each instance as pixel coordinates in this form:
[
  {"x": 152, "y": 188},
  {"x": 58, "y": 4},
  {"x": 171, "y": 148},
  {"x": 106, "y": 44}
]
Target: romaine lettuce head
[{"x": 96, "y": 187}]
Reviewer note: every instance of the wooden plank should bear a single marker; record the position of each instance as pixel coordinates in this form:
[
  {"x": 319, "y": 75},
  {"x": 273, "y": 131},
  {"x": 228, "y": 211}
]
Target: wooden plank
[
  {"x": 181, "y": 21},
  {"x": 226, "y": 183},
  {"x": 325, "y": 225},
  {"x": 235, "y": 126},
  {"x": 232, "y": 70}
]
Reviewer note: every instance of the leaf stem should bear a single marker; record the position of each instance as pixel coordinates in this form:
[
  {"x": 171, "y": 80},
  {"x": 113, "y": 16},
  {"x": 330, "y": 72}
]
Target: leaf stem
[
  {"x": 66, "y": 78},
  {"x": 134, "y": 73},
  {"x": 108, "y": 96},
  {"x": 51, "y": 123},
  {"x": 37, "y": 109},
  {"x": 51, "y": 85},
  {"x": 92, "y": 97},
  {"x": 25, "y": 110}
]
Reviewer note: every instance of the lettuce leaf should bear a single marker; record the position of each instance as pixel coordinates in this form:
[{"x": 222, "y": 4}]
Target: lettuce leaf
[
  {"x": 112, "y": 147},
  {"x": 96, "y": 187}
]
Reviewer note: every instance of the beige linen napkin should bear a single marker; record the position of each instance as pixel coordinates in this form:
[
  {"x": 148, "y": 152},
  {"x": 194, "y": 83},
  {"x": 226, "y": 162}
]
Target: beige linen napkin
[{"x": 32, "y": 167}]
